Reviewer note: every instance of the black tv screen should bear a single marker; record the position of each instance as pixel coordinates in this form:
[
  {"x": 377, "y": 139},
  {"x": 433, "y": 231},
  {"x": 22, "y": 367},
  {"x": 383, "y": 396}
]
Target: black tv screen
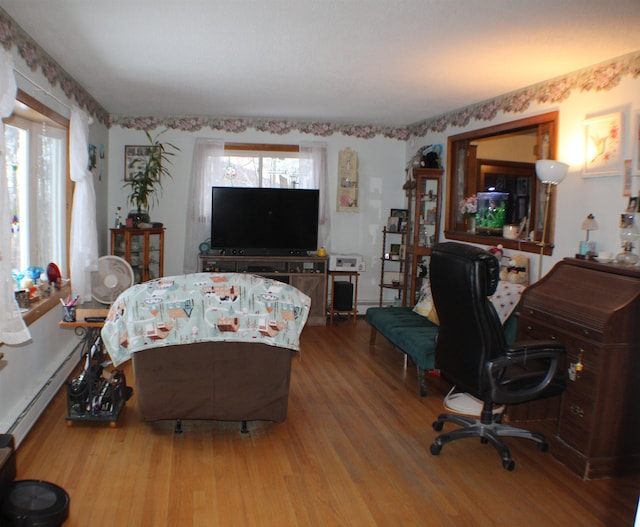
[{"x": 264, "y": 221}]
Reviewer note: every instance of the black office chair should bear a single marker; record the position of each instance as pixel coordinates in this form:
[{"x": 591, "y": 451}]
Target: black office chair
[{"x": 473, "y": 354}]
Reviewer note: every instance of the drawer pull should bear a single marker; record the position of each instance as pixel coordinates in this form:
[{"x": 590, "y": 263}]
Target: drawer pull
[{"x": 576, "y": 410}]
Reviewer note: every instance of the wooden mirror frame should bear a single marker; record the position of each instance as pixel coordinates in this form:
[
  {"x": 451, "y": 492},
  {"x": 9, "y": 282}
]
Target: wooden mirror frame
[{"x": 459, "y": 179}]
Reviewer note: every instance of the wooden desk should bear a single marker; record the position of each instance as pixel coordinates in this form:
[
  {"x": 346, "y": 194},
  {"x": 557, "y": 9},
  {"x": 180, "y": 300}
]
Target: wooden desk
[
  {"x": 353, "y": 277},
  {"x": 593, "y": 309}
]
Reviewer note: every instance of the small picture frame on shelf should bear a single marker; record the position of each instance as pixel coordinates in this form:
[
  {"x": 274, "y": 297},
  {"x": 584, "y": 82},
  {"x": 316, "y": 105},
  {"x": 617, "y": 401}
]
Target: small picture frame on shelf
[
  {"x": 393, "y": 224},
  {"x": 394, "y": 251},
  {"x": 402, "y": 215},
  {"x": 632, "y": 206}
]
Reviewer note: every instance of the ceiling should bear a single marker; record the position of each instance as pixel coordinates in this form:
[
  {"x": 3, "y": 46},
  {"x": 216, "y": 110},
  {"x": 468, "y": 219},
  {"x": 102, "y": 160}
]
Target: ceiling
[{"x": 382, "y": 62}]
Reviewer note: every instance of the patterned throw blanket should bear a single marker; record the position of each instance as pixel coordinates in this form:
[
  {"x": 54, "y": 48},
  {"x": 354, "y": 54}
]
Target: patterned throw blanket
[{"x": 234, "y": 307}]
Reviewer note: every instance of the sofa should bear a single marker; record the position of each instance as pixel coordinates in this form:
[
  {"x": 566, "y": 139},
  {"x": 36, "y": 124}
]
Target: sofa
[
  {"x": 414, "y": 330},
  {"x": 213, "y": 346},
  {"x": 222, "y": 381}
]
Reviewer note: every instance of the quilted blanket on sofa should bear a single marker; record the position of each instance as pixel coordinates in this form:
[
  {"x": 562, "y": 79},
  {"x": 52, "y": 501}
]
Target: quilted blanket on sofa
[{"x": 201, "y": 307}]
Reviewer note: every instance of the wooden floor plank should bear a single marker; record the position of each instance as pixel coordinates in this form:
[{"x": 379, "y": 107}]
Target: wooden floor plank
[{"x": 354, "y": 451}]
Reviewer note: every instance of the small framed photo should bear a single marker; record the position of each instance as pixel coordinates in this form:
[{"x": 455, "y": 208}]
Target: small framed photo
[
  {"x": 632, "y": 206},
  {"x": 135, "y": 160},
  {"x": 402, "y": 215},
  {"x": 394, "y": 251},
  {"x": 393, "y": 224}
]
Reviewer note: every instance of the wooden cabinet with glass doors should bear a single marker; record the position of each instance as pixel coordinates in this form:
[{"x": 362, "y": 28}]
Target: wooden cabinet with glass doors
[
  {"x": 143, "y": 249},
  {"x": 424, "y": 197}
]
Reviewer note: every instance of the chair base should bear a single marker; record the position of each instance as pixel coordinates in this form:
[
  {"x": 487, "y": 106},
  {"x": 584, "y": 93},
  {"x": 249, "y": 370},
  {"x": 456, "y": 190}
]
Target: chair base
[{"x": 488, "y": 430}]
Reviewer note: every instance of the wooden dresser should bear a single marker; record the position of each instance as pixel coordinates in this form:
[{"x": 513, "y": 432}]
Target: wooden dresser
[{"x": 594, "y": 310}]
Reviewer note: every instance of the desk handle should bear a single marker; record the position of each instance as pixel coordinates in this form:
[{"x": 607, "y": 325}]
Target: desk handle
[{"x": 576, "y": 410}]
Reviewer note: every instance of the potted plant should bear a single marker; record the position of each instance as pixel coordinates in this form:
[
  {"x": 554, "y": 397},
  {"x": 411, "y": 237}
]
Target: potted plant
[{"x": 146, "y": 184}]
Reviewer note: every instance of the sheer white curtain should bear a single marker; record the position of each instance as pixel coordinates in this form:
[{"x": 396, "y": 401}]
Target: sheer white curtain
[
  {"x": 84, "y": 230},
  {"x": 207, "y": 164},
  {"x": 313, "y": 162},
  {"x": 13, "y": 330}
]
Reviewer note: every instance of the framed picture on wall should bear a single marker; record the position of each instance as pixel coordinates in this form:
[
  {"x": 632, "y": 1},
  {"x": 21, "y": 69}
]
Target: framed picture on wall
[
  {"x": 635, "y": 133},
  {"x": 603, "y": 145},
  {"x": 135, "y": 160}
]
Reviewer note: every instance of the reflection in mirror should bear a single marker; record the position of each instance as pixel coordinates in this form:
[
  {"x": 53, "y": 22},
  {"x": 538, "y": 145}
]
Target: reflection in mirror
[{"x": 501, "y": 160}]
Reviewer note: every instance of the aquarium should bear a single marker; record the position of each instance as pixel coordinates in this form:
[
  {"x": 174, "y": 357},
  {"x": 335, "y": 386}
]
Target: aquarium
[{"x": 492, "y": 212}]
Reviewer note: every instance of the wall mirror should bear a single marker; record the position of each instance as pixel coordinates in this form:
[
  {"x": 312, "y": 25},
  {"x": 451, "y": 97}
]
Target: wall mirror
[{"x": 501, "y": 159}]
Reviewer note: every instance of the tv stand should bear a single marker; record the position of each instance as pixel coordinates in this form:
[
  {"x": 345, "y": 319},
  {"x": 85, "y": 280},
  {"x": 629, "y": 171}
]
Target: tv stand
[{"x": 306, "y": 273}]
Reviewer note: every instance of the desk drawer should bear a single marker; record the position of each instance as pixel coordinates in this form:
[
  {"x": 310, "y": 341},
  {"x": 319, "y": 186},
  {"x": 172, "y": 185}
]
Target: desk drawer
[
  {"x": 576, "y": 420},
  {"x": 580, "y": 328}
]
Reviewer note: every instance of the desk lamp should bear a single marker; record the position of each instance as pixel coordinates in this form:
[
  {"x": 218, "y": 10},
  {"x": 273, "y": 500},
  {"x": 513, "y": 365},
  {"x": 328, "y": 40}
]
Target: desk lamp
[
  {"x": 550, "y": 173},
  {"x": 588, "y": 248}
]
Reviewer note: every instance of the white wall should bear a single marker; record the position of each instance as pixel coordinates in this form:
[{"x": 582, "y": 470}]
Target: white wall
[
  {"x": 381, "y": 173},
  {"x": 576, "y": 196}
]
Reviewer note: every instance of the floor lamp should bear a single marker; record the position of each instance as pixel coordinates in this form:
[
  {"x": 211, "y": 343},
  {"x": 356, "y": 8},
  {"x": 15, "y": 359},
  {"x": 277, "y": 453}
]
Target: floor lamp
[{"x": 550, "y": 173}]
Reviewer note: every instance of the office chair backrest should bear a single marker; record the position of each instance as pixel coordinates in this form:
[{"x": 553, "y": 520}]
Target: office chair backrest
[{"x": 462, "y": 279}]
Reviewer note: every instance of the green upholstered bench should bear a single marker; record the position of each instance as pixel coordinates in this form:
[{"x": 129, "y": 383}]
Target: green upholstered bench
[
  {"x": 415, "y": 335},
  {"x": 411, "y": 333}
]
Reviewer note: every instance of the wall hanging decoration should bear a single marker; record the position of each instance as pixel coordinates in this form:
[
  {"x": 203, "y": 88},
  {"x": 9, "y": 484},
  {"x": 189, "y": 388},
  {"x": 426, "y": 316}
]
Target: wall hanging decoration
[
  {"x": 603, "y": 145},
  {"x": 635, "y": 133},
  {"x": 347, "y": 181}
]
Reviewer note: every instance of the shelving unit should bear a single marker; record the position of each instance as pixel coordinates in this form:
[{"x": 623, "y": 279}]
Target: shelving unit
[
  {"x": 306, "y": 273},
  {"x": 392, "y": 267},
  {"x": 424, "y": 199},
  {"x": 142, "y": 248}
]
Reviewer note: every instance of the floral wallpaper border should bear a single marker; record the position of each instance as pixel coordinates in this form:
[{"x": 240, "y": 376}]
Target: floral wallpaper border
[{"x": 603, "y": 76}]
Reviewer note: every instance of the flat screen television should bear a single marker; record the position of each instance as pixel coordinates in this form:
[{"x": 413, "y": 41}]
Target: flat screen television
[{"x": 264, "y": 221}]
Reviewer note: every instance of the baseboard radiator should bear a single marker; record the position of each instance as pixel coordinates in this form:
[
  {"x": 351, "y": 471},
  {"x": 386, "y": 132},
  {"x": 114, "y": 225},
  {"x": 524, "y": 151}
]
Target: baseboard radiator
[{"x": 28, "y": 417}]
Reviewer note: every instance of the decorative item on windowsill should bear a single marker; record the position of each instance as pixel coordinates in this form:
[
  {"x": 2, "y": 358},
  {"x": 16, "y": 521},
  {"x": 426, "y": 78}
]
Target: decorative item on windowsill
[
  {"x": 146, "y": 184},
  {"x": 468, "y": 208},
  {"x": 550, "y": 173},
  {"x": 628, "y": 238},
  {"x": 588, "y": 248}
]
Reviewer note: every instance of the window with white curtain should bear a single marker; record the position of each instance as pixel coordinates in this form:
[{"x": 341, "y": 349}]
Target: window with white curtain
[
  {"x": 36, "y": 168},
  {"x": 263, "y": 168}
]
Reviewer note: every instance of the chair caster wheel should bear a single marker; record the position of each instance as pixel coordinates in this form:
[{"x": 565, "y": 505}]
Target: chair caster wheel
[
  {"x": 435, "y": 449},
  {"x": 543, "y": 447},
  {"x": 437, "y": 425},
  {"x": 508, "y": 464}
]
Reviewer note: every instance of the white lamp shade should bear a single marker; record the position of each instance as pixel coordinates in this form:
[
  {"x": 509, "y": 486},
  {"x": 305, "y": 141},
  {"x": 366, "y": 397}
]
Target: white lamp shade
[{"x": 550, "y": 171}]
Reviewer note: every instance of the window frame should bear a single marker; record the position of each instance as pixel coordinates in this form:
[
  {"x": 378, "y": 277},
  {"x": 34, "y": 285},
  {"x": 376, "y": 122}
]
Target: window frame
[
  {"x": 41, "y": 307},
  {"x": 547, "y": 125}
]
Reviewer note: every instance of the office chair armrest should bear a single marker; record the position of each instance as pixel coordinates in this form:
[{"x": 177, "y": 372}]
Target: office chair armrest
[{"x": 526, "y": 371}]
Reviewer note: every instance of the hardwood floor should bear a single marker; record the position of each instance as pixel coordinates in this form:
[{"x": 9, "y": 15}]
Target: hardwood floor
[{"x": 354, "y": 451}]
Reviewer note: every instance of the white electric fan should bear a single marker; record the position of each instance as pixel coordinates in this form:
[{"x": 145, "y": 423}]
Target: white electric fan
[{"x": 113, "y": 276}]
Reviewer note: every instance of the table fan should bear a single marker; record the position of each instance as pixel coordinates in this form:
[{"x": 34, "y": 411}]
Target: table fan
[{"x": 113, "y": 276}]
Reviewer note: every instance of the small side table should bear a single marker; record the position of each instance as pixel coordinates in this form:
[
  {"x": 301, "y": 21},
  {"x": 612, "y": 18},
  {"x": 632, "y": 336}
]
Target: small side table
[{"x": 353, "y": 278}]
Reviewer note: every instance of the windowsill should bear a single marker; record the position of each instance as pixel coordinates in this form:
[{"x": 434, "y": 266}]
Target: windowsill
[
  {"x": 42, "y": 306},
  {"x": 517, "y": 245}
]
